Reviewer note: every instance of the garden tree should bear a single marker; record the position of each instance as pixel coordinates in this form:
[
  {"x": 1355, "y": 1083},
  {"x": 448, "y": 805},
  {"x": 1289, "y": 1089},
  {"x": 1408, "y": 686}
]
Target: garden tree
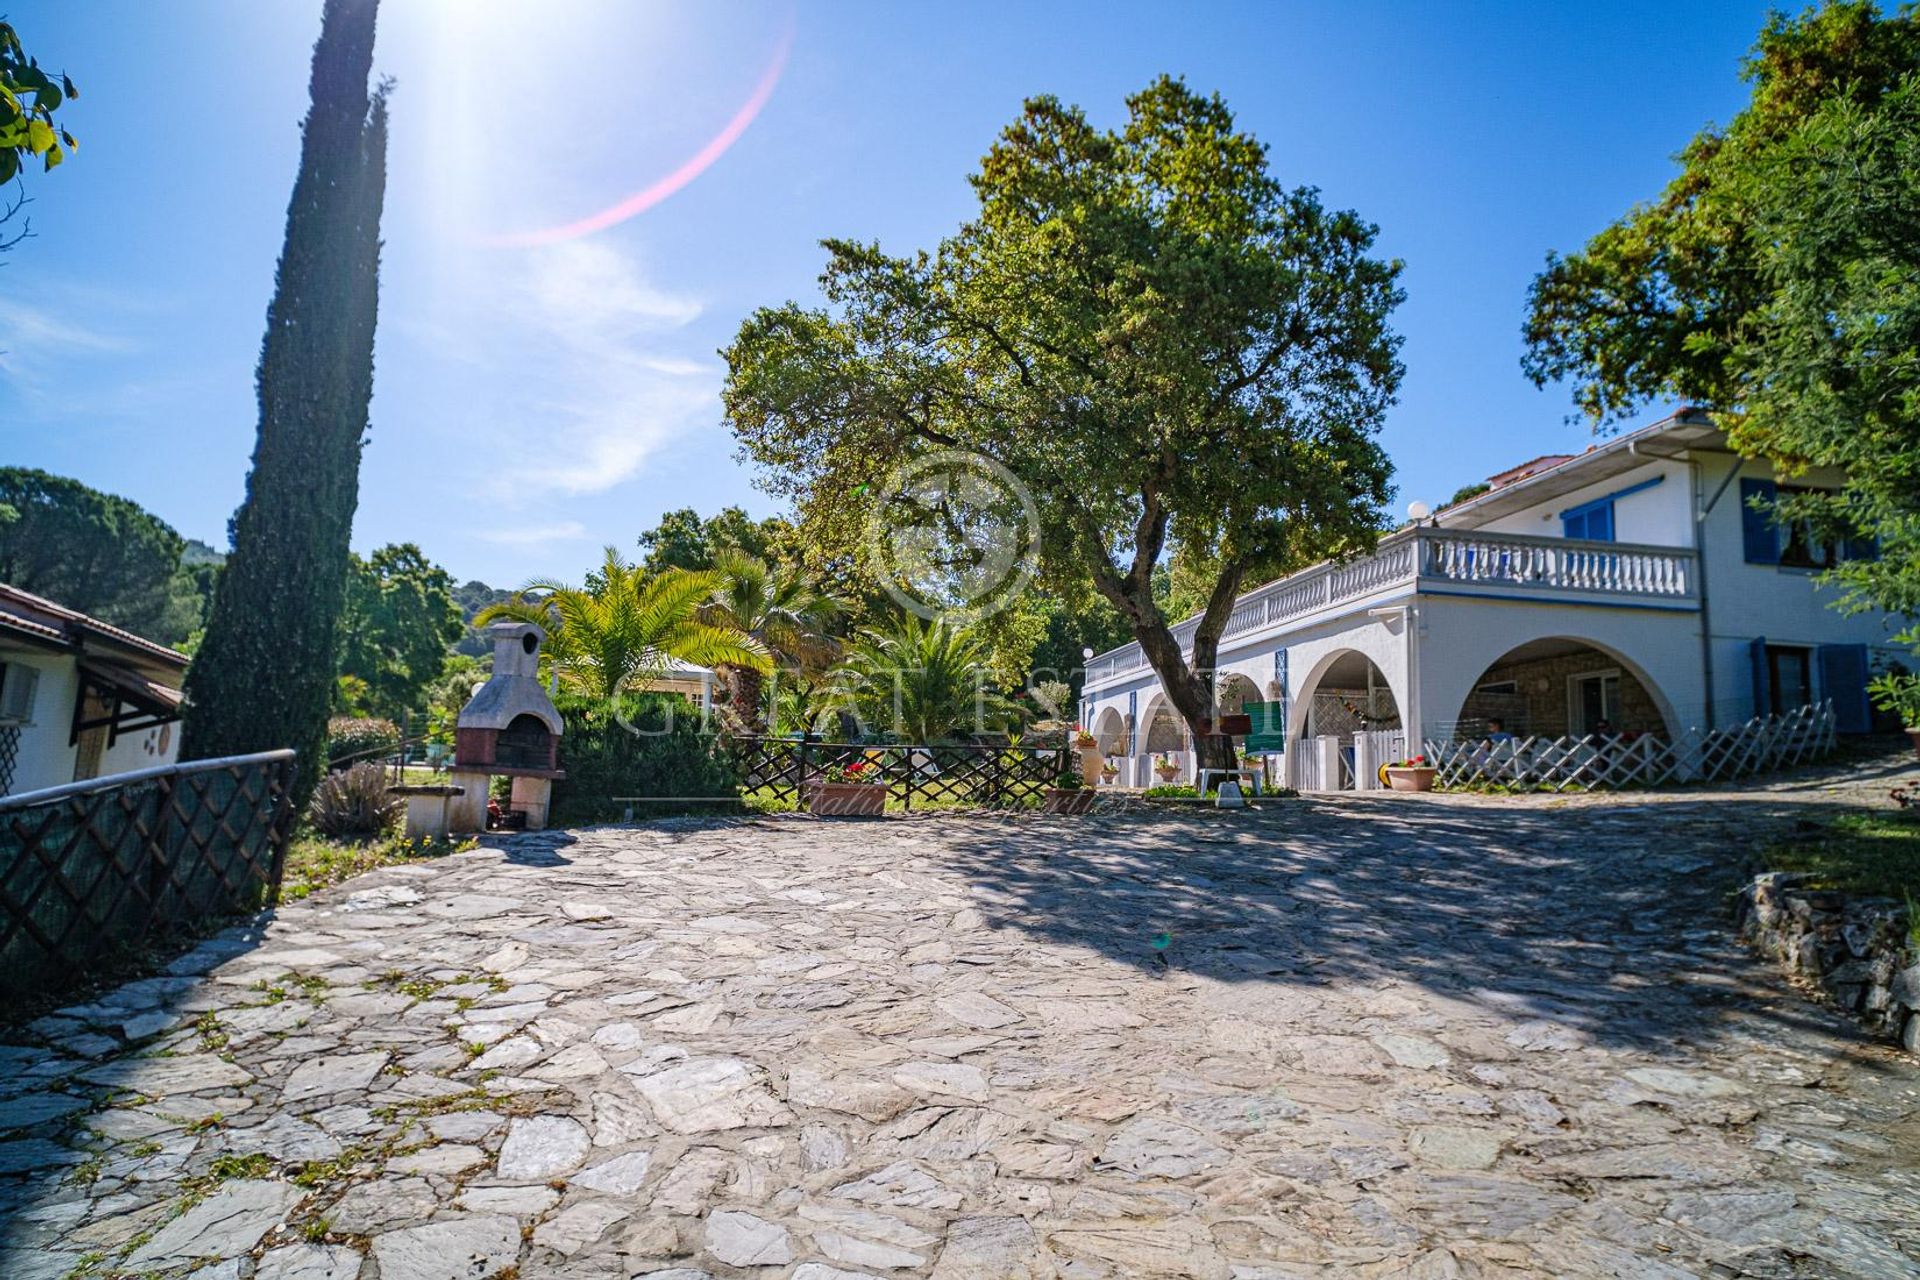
[
  {"x": 396, "y": 623},
  {"x": 100, "y": 554},
  {"x": 1774, "y": 283},
  {"x": 263, "y": 676},
  {"x": 612, "y": 636},
  {"x": 682, "y": 540},
  {"x": 1169, "y": 348},
  {"x": 471, "y": 597},
  {"x": 1654, "y": 305},
  {"x": 920, "y": 682},
  {"x": 29, "y": 97},
  {"x": 1826, "y": 368},
  {"x": 777, "y": 605}
]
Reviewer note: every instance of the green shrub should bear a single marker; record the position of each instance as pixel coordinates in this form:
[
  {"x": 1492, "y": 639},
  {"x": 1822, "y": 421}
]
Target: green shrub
[
  {"x": 354, "y": 802},
  {"x": 651, "y": 746},
  {"x": 360, "y": 738}
]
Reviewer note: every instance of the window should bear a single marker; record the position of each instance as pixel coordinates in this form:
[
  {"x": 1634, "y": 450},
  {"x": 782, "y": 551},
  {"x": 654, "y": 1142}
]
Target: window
[
  {"x": 1789, "y": 677},
  {"x": 1594, "y": 520},
  {"x": 1593, "y": 698},
  {"x": 1793, "y": 544}
]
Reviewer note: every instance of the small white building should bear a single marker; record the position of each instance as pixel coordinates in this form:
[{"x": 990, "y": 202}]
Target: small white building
[
  {"x": 80, "y": 698},
  {"x": 1633, "y": 588}
]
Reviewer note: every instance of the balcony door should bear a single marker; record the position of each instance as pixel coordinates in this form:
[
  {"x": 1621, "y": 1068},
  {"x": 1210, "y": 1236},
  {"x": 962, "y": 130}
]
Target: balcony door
[{"x": 1593, "y": 697}]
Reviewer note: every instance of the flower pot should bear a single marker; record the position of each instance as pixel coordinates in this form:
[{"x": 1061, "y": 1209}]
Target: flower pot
[
  {"x": 1167, "y": 772},
  {"x": 1091, "y": 763},
  {"x": 1109, "y": 776},
  {"x": 1410, "y": 777},
  {"x": 1062, "y": 800},
  {"x": 847, "y": 800},
  {"x": 1913, "y": 736}
]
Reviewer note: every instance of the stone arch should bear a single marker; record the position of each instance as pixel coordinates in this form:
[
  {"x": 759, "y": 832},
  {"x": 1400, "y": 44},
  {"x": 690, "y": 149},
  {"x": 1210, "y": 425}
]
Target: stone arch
[
  {"x": 1336, "y": 667},
  {"x": 1232, "y": 691},
  {"x": 1110, "y": 730},
  {"x": 1555, "y": 686},
  {"x": 1161, "y": 728}
]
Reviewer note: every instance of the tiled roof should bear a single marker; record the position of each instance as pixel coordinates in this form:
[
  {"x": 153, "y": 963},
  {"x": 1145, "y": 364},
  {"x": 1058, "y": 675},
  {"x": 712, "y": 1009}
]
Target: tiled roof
[{"x": 42, "y": 619}]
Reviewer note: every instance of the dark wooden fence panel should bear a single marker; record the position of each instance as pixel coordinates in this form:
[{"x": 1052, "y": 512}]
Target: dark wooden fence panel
[
  {"x": 987, "y": 776},
  {"x": 95, "y": 867}
]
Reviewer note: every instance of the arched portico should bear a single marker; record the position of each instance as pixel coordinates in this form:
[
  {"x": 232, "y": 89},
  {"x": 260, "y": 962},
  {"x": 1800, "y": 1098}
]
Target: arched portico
[
  {"x": 1344, "y": 697},
  {"x": 1110, "y": 731},
  {"x": 1562, "y": 686},
  {"x": 1656, "y": 653}
]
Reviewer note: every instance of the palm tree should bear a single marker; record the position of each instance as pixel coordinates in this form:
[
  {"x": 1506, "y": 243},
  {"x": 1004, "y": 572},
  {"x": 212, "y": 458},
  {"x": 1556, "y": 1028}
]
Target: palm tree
[
  {"x": 620, "y": 629},
  {"x": 922, "y": 681},
  {"x": 777, "y": 605}
]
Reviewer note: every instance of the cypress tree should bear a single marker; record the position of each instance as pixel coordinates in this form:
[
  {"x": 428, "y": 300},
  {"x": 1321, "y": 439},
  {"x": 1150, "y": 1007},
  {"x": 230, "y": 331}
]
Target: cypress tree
[{"x": 264, "y": 673}]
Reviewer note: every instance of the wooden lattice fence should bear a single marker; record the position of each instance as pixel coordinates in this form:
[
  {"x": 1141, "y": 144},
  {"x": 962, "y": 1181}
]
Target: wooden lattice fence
[
  {"x": 962, "y": 774},
  {"x": 94, "y": 867},
  {"x": 1645, "y": 760}
]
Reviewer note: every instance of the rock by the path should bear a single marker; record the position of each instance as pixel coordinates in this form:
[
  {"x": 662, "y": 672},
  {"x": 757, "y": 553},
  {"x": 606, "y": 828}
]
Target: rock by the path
[
  {"x": 1161, "y": 1148},
  {"x": 309, "y": 1262},
  {"x": 542, "y": 1147},
  {"x": 577, "y": 1226},
  {"x": 464, "y": 1248},
  {"x": 621, "y": 1175},
  {"x": 224, "y": 1225},
  {"x": 709, "y": 1094},
  {"x": 164, "y": 1077},
  {"x": 743, "y": 1240},
  {"x": 340, "y": 1073}
]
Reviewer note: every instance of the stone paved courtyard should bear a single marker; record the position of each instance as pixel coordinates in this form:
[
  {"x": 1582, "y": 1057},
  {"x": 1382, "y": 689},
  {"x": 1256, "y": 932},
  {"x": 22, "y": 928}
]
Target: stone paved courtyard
[{"x": 1369, "y": 1036}]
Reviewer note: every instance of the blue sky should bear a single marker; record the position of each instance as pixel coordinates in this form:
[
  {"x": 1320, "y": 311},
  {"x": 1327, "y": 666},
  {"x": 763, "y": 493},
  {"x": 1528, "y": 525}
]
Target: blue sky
[{"x": 534, "y": 403}]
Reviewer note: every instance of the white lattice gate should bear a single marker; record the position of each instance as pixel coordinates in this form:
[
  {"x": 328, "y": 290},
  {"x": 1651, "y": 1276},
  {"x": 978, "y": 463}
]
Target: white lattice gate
[{"x": 1647, "y": 760}]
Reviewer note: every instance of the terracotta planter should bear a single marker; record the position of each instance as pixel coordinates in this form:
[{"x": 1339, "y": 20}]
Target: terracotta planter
[
  {"x": 1407, "y": 778},
  {"x": 1091, "y": 763},
  {"x": 1167, "y": 773},
  {"x": 848, "y": 800},
  {"x": 1913, "y": 736},
  {"x": 1061, "y": 800},
  {"x": 1109, "y": 777}
]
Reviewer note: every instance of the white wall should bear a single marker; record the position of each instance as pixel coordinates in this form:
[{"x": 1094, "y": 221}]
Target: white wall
[
  {"x": 1744, "y": 601},
  {"x": 46, "y": 757},
  {"x": 1459, "y": 639},
  {"x": 1661, "y": 516},
  {"x": 142, "y": 749}
]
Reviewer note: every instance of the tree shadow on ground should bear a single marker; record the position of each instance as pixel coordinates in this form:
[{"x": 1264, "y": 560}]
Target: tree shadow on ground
[{"x": 1611, "y": 921}]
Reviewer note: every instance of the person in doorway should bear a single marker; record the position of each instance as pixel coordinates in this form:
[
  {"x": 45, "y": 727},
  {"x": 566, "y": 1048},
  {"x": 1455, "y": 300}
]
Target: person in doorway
[{"x": 1497, "y": 731}]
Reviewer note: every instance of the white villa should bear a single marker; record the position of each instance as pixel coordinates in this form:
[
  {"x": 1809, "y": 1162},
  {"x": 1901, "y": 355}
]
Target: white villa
[
  {"x": 80, "y": 698},
  {"x": 1632, "y": 589}
]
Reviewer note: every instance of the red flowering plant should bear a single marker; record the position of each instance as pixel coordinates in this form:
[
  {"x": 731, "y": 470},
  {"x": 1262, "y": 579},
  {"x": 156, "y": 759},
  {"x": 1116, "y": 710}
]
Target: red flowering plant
[
  {"x": 1412, "y": 762},
  {"x": 858, "y": 771}
]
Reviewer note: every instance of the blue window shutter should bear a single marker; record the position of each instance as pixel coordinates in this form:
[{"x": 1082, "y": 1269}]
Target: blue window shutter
[
  {"x": 1758, "y": 535},
  {"x": 1762, "y": 698},
  {"x": 1843, "y": 680}
]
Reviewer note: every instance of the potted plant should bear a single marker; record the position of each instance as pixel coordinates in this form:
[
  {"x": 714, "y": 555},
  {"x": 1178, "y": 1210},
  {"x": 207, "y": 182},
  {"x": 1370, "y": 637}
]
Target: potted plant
[
  {"x": 1899, "y": 693},
  {"x": 1166, "y": 766},
  {"x": 1070, "y": 793},
  {"x": 851, "y": 789},
  {"x": 1089, "y": 748},
  {"x": 1109, "y": 772},
  {"x": 1413, "y": 774}
]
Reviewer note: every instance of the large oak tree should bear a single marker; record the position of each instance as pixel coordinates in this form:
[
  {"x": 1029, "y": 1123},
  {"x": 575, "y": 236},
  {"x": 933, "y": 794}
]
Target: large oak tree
[{"x": 1170, "y": 348}]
